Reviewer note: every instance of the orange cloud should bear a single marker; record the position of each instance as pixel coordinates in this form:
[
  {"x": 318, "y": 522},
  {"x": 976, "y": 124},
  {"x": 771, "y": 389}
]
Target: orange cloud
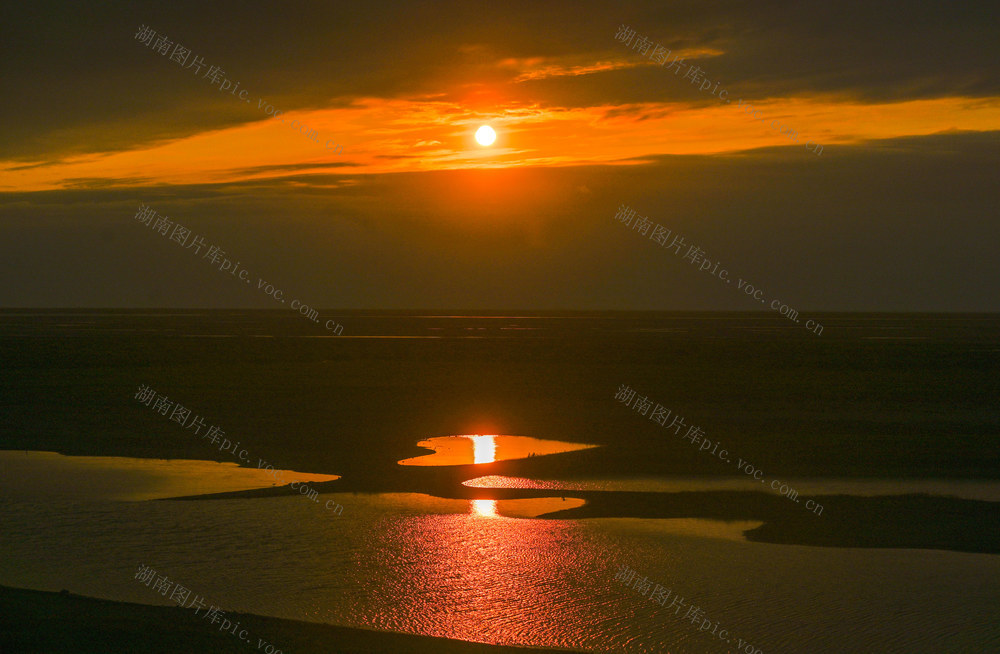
[{"x": 382, "y": 136}]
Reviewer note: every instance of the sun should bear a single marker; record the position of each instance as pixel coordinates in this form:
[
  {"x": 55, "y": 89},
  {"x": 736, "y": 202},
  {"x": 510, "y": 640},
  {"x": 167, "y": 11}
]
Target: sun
[{"x": 485, "y": 135}]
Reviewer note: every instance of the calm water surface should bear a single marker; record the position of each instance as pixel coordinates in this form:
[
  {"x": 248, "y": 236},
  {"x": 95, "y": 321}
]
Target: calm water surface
[{"x": 464, "y": 569}]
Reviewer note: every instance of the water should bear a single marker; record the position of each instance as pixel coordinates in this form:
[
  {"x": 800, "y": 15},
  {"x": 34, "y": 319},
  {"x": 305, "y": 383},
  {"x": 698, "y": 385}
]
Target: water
[
  {"x": 49, "y": 476},
  {"x": 486, "y": 448},
  {"x": 877, "y": 405},
  {"x": 411, "y": 563},
  {"x": 987, "y": 490}
]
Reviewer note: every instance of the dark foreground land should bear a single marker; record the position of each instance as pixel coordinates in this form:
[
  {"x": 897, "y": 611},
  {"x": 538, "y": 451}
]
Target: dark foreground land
[
  {"x": 876, "y": 396},
  {"x": 35, "y": 622},
  {"x": 887, "y": 396}
]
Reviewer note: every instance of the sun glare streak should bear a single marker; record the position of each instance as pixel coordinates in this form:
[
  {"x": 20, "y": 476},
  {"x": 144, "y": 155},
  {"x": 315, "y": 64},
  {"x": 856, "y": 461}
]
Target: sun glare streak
[
  {"x": 484, "y": 449},
  {"x": 484, "y": 508}
]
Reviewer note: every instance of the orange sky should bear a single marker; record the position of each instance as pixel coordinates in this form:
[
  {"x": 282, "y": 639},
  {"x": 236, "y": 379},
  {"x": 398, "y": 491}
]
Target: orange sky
[
  {"x": 382, "y": 135},
  {"x": 412, "y": 212}
]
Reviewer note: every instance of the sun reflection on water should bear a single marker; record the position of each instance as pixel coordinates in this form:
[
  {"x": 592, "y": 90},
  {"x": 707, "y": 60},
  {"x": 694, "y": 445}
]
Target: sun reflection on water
[
  {"x": 469, "y": 449},
  {"x": 476, "y": 449},
  {"x": 484, "y": 448},
  {"x": 484, "y": 508}
]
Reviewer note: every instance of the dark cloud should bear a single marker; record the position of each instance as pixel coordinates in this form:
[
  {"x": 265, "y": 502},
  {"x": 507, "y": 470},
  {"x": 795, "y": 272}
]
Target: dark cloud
[{"x": 75, "y": 80}]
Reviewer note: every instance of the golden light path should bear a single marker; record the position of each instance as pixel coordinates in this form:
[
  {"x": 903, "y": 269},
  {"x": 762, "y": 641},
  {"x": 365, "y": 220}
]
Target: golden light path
[
  {"x": 485, "y": 508},
  {"x": 484, "y": 450},
  {"x": 489, "y": 448},
  {"x": 470, "y": 449}
]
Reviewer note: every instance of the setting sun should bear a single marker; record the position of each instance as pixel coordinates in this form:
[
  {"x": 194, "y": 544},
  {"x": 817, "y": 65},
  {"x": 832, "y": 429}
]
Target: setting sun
[{"x": 485, "y": 135}]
